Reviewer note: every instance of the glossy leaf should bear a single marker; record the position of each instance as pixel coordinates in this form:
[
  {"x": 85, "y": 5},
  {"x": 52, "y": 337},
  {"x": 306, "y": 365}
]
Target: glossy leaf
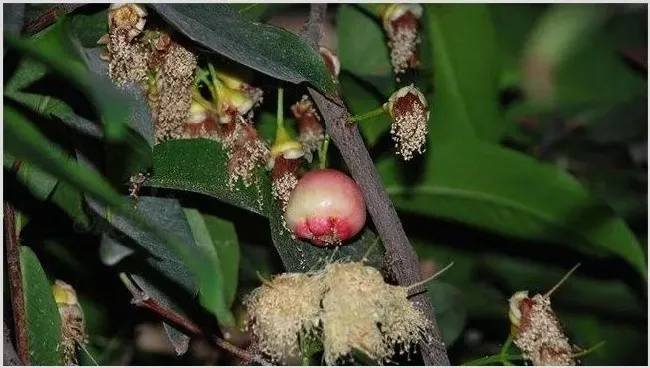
[
  {"x": 219, "y": 239},
  {"x": 58, "y": 55},
  {"x": 267, "y": 49},
  {"x": 507, "y": 192},
  {"x": 25, "y": 142},
  {"x": 200, "y": 166},
  {"x": 466, "y": 98},
  {"x": 362, "y": 47},
  {"x": 41, "y": 313}
]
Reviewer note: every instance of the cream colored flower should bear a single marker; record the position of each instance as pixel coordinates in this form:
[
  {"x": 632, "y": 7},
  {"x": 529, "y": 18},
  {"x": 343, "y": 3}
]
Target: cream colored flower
[{"x": 409, "y": 113}]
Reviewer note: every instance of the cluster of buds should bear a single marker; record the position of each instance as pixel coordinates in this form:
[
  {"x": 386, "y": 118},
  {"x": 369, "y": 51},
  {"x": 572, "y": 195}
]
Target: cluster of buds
[
  {"x": 73, "y": 329},
  {"x": 536, "y": 329},
  {"x": 401, "y": 22}
]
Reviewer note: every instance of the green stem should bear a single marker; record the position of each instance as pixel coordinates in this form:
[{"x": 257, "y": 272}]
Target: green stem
[
  {"x": 281, "y": 134},
  {"x": 322, "y": 153},
  {"x": 494, "y": 359},
  {"x": 370, "y": 114}
]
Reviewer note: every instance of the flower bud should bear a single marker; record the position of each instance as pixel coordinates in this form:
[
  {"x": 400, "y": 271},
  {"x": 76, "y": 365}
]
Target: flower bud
[
  {"x": 72, "y": 320},
  {"x": 331, "y": 61},
  {"x": 235, "y": 97},
  {"x": 409, "y": 113},
  {"x": 401, "y": 23},
  {"x": 326, "y": 207}
]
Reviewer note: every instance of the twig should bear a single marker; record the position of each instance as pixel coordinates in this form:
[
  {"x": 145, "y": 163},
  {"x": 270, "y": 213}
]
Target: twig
[
  {"x": 404, "y": 261},
  {"x": 9, "y": 356},
  {"x": 15, "y": 282},
  {"x": 142, "y": 300},
  {"x": 312, "y": 31}
]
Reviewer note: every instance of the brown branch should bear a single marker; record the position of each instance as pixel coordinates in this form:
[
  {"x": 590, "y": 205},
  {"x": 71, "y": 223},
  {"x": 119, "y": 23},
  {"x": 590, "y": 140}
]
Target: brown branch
[
  {"x": 142, "y": 300},
  {"x": 9, "y": 356},
  {"x": 403, "y": 261},
  {"x": 312, "y": 31},
  {"x": 15, "y": 283}
]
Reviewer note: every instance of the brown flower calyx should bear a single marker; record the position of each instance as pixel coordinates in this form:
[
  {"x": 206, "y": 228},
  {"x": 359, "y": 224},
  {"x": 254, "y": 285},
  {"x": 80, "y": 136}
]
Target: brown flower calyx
[
  {"x": 538, "y": 332},
  {"x": 245, "y": 149},
  {"x": 347, "y": 305},
  {"x": 401, "y": 22},
  {"x": 73, "y": 330},
  {"x": 310, "y": 128},
  {"x": 409, "y": 113}
]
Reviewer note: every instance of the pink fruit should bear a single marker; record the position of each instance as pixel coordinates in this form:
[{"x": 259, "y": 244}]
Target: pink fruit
[{"x": 326, "y": 207}]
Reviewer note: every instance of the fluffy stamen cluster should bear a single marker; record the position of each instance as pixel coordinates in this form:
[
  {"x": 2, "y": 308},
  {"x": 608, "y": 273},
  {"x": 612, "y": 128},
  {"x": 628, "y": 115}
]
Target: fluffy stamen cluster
[
  {"x": 162, "y": 67},
  {"x": 537, "y": 331},
  {"x": 245, "y": 149},
  {"x": 347, "y": 305},
  {"x": 309, "y": 126},
  {"x": 410, "y": 115},
  {"x": 401, "y": 23},
  {"x": 73, "y": 330},
  {"x": 281, "y": 310}
]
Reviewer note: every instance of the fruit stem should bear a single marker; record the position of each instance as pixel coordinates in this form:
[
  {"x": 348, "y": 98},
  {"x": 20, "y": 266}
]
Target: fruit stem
[
  {"x": 370, "y": 114},
  {"x": 322, "y": 153},
  {"x": 281, "y": 134},
  {"x": 412, "y": 286}
]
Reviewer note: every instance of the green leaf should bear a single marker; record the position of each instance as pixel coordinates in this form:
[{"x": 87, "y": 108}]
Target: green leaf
[
  {"x": 71, "y": 201},
  {"x": 88, "y": 28},
  {"x": 219, "y": 239},
  {"x": 41, "y": 313},
  {"x": 267, "y": 49},
  {"x": 509, "y": 193},
  {"x": 59, "y": 56},
  {"x": 38, "y": 182},
  {"x": 200, "y": 166},
  {"x": 449, "y": 308},
  {"x": 253, "y": 11},
  {"x": 361, "y": 42},
  {"x": 466, "y": 78},
  {"x": 26, "y": 143}
]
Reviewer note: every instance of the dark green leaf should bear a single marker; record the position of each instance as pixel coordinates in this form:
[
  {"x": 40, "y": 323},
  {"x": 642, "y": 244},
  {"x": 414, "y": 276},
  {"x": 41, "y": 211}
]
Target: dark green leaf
[
  {"x": 509, "y": 193},
  {"x": 13, "y": 18},
  {"x": 361, "y": 43},
  {"x": 88, "y": 28},
  {"x": 41, "y": 313},
  {"x": 201, "y": 166},
  {"x": 267, "y": 49},
  {"x": 466, "y": 98},
  {"x": 449, "y": 306},
  {"x": 219, "y": 239},
  {"x": 38, "y": 182},
  {"x": 26, "y": 143},
  {"x": 254, "y": 11},
  {"x": 71, "y": 201},
  {"x": 59, "y": 55}
]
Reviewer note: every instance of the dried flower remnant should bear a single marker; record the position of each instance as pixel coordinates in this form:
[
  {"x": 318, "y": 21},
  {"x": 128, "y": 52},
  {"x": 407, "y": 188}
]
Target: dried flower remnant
[
  {"x": 409, "y": 113},
  {"x": 537, "y": 331},
  {"x": 309, "y": 126},
  {"x": 72, "y": 320},
  {"x": 283, "y": 308},
  {"x": 127, "y": 19},
  {"x": 135, "y": 183},
  {"x": 331, "y": 61},
  {"x": 246, "y": 152},
  {"x": 284, "y": 178},
  {"x": 401, "y": 23}
]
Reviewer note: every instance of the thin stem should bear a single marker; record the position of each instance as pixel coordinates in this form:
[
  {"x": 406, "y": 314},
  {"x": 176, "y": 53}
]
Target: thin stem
[
  {"x": 15, "y": 283},
  {"x": 504, "y": 350},
  {"x": 142, "y": 300},
  {"x": 493, "y": 359},
  {"x": 422, "y": 282},
  {"x": 83, "y": 348},
  {"x": 548, "y": 293},
  {"x": 280, "y": 111},
  {"x": 590, "y": 350},
  {"x": 368, "y": 115},
  {"x": 322, "y": 153}
]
